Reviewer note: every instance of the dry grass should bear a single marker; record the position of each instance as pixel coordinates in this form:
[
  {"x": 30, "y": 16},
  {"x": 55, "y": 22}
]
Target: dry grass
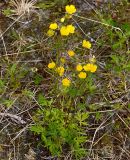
[{"x": 21, "y": 7}]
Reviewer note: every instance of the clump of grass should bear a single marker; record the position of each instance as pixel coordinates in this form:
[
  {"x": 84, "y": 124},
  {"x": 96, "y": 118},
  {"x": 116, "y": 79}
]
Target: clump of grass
[{"x": 21, "y": 7}]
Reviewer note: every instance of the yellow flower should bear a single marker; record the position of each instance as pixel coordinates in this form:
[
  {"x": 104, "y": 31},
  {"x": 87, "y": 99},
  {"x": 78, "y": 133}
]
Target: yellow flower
[
  {"x": 50, "y": 32},
  {"x": 70, "y": 9},
  {"x": 87, "y": 67},
  {"x": 66, "y": 82},
  {"x": 71, "y": 53},
  {"x": 53, "y": 26},
  {"x": 79, "y": 67},
  {"x": 64, "y": 31},
  {"x": 82, "y": 75},
  {"x": 90, "y": 67},
  {"x": 71, "y": 28},
  {"x": 60, "y": 70},
  {"x": 93, "y": 68},
  {"x": 62, "y": 19},
  {"x": 62, "y": 60},
  {"x": 86, "y": 44},
  {"x": 51, "y": 65}
]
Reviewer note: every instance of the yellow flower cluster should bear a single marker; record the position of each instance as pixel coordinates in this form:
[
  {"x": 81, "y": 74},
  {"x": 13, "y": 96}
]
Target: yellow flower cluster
[
  {"x": 90, "y": 67},
  {"x": 60, "y": 70},
  {"x": 52, "y": 28},
  {"x": 66, "y": 30}
]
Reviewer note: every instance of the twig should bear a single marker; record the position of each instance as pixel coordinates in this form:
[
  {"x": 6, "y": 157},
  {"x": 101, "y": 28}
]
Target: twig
[
  {"x": 2, "y": 38},
  {"x": 2, "y": 34},
  {"x": 123, "y": 121},
  {"x": 102, "y": 23},
  {"x": 20, "y": 132},
  {"x": 14, "y": 117}
]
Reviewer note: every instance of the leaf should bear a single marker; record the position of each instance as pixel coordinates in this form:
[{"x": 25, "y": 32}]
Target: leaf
[
  {"x": 1, "y": 83},
  {"x": 37, "y": 129},
  {"x": 85, "y": 116},
  {"x": 127, "y": 67},
  {"x": 28, "y": 93},
  {"x": 115, "y": 59},
  {"x": 98, "y": 116},
  {"x": 42, "y": 100},
  {"x": 14, "y": 34},
  {"x": 126, "y": 27},
  {"x": 7, "y": 12},
  {"x": 81, "y": 106},
  {"x": 80, "y": 139},
  {"x": 8, "y": 103},
  {"x": 110, "y": 22},
  {"x": 44, "y": 5},
  {"x": 81, "y": 117},
  {"x": 73, "y": 92},
  {"x": 38, "y": 79},
  {"x": 13, "y": 69}
]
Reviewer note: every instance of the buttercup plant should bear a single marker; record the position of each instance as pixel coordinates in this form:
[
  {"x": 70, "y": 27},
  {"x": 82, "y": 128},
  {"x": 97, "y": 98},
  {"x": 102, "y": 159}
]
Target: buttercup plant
[{"x": 70, "y": 74}]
